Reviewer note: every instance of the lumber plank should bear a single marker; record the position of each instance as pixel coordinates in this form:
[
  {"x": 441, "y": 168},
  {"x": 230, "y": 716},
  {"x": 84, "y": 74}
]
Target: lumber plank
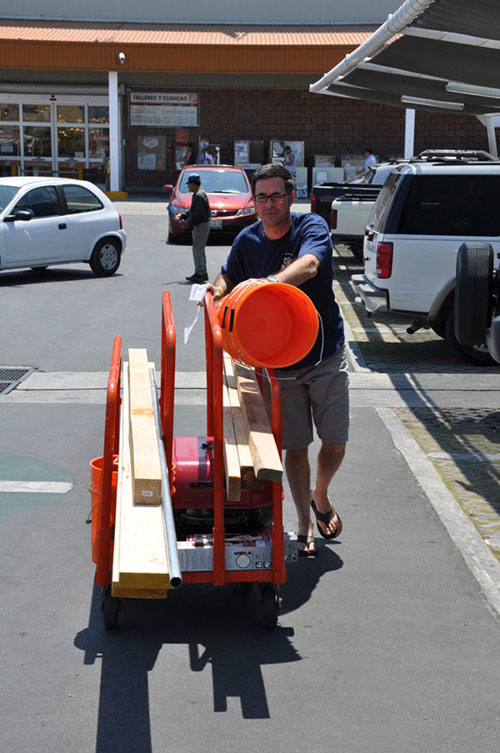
[
  {"x": 265, "y": 456},
  {"x": 140, "y": 550},
  {"x": 248, "y": 477},
  {"x": 145, "y": 454},
  {"x": 231, "y": 456}
]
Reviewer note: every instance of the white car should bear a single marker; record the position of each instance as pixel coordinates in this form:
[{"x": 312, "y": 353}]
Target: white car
[{"x": 45, "y": 221}]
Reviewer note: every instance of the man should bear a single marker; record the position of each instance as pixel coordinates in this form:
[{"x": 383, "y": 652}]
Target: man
[
  {"x": 289, "y": 160},
  {"x": 370, "y": 159},
  {"x": 296, "y": 249},
  {"x": 198, "y": 219}
]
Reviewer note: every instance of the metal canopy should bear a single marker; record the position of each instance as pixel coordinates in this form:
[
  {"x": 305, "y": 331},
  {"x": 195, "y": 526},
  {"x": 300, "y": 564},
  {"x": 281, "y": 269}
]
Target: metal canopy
[{"x": 438, "y": 55}]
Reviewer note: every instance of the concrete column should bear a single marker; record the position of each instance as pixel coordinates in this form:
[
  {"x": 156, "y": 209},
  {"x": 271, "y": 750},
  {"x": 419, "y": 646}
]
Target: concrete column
[
  {"x": 114, "y": 131},
  {"x": 409, "y": 133}
]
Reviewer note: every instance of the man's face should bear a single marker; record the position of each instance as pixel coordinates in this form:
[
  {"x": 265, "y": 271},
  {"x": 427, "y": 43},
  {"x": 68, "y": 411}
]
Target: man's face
[
  {"x": 274, "y": 212},
  {"x": 192, "y": 187}
]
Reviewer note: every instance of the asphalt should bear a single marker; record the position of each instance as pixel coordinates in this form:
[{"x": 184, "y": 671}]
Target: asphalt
[{"x": 388, "y": 641}]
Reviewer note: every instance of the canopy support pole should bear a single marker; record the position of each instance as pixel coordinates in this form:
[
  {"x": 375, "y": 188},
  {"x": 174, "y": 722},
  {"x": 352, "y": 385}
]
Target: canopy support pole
[{"x": 409, "y": 133}]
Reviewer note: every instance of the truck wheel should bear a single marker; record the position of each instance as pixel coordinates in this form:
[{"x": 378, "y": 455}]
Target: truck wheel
[
  {"x": 473, "y": 292},
  {"x": 477, "y": 354},
  {"x": 357, "y": 249}
]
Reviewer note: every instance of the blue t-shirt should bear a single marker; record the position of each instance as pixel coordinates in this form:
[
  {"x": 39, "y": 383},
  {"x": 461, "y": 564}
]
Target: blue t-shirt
[{"x": 254, "y": 255}]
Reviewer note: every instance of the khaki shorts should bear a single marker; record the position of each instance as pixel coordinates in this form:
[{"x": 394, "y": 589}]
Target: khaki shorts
[{"x": 318, "y": 395}]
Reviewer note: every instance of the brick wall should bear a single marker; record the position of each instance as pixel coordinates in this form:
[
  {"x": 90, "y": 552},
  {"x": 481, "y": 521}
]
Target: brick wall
[{"x": 327, "y": 125}]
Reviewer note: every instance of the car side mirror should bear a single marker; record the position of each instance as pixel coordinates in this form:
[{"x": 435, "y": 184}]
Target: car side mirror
[
  {"x": 21, "y": 216},
  {"x": 168, "y": 188}
]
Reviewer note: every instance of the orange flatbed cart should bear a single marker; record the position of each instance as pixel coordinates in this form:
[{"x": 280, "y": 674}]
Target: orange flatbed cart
[{"x": 196, "y": 476}]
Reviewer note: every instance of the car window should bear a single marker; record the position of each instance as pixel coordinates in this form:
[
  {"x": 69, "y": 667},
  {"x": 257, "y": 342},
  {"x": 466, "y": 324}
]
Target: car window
[
  {"x": 7, "y": 193},
  {"x": 458, "y": 205},
  {"x": 80, "y": 199},
  {"x": 218, "y": 181},
  {"x": 40, "y": 202},
  {"x": 379, "y": 211}
]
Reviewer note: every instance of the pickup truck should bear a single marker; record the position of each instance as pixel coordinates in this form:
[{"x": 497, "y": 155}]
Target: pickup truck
[
  {"x": 324, "y": 194},
  {"x": 348, "y": 218},
  {"x": 425, "y": 211}
]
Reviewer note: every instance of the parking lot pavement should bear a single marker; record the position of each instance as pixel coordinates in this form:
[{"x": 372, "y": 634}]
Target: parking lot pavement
[{"x": 387, "y": 641}]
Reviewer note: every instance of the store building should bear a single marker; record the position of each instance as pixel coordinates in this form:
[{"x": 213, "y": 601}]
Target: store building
[{"x": 81, "y": 81}]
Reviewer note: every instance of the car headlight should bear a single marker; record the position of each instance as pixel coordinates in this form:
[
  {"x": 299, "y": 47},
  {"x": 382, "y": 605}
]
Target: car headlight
[{"x": 246, "y": 210}]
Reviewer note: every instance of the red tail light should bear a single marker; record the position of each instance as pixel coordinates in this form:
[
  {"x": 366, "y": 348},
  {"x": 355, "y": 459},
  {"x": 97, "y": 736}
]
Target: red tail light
[
  {"x": 121, "y": 222},
  {"x": 333, "y": 219},
  {"x": 313, "y": 202},
  {"x": 384, "y": 260}
]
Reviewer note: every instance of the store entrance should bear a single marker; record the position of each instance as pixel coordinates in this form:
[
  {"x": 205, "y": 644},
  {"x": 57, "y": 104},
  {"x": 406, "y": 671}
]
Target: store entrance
[{"x": 54, "y": 136}]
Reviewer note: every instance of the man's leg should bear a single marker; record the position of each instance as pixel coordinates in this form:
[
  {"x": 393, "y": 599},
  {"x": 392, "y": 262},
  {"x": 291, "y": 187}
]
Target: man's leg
[
  {"x": 200, "y": 237},
  {"x": 298, "y": 473},
  {"x": 330, "y": 457}
]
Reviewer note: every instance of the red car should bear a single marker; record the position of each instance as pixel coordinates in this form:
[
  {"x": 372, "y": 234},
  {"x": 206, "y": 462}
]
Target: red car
[{"x": 229, "y": 195}]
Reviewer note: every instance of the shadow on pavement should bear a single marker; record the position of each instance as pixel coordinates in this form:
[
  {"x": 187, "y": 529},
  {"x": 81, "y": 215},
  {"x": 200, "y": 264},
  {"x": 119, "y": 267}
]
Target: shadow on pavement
[{"x": 219, "y": 627}]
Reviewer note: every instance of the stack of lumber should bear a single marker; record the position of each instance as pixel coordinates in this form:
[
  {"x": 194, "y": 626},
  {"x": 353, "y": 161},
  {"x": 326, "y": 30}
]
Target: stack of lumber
[
  {"x": 140, "y": 556},
  {"x": 250, "y": 451}
]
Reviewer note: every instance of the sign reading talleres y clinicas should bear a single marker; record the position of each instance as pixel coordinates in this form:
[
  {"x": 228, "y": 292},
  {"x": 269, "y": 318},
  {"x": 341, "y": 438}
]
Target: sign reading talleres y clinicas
[{"x": 166, "y": 109}]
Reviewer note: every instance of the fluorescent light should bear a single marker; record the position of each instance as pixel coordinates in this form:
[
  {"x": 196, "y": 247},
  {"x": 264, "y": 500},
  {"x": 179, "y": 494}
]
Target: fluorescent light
[
  {"x": 442, "y": 104},
  {"x": 476, "y": 91}
]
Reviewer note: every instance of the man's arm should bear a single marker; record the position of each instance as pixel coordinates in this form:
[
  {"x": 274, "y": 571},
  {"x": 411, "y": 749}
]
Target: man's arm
[
  {"x": 221, "y": 287},
  {"x": 299, "y": 271}
]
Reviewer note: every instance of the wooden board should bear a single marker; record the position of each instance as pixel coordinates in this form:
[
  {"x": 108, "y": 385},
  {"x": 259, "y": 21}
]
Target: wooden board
[
  {"x": 248, "y": 477},
  {"x": 145, "y": 454},
  {"x": 140, "y": 549},
  {"x": 265, "y": 457},
  {"x": 231, "y": 456}
]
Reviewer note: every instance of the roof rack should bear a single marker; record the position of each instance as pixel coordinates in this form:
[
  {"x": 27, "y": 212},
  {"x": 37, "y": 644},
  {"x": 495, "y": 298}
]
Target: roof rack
[{"x": 454, "y": 155}]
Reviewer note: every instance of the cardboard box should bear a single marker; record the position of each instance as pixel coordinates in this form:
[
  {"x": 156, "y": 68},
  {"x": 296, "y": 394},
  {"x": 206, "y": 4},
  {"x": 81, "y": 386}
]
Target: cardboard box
[{"x": 243, "y": 552}]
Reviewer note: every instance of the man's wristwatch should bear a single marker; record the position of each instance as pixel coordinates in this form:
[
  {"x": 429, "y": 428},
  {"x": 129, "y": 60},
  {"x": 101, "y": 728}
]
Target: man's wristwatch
[{"x": 272, "y": 278}]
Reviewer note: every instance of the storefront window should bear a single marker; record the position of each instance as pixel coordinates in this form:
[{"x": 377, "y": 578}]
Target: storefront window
[
  {"x": 36, "y": 113},
  {"x": 9, "y": 141},
  {"x": 71, "y": 142},
  {"x": 98, "y": 114},
  {"x": 98, "y": 142},
  {"x": 9, "y": 112},
  {"x": 70, "y": 114},
  {"x": 37, "y": 142}
]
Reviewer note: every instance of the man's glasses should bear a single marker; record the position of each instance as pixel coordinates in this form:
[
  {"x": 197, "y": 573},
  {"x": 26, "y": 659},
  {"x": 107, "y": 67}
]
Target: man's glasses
[{"x": 274, "y": 198}]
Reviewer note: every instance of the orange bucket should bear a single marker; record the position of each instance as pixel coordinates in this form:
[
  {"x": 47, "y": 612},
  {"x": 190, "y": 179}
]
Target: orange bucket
[
  {"x": 95, "y": 489},
  {"x": 269, "y": 325}
]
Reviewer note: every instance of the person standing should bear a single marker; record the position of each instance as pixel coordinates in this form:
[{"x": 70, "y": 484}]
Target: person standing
[
  {"x": 289, "y": 161},
  {"x": 190, "y": 155},
  {"x": 296, "y": 249},
  {"x": 198, "y": 220},
  {"x": 370, "y": 159}
]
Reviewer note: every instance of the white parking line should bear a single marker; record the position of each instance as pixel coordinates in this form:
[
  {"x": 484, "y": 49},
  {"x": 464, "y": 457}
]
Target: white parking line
[{"x": 36, "y": 487}]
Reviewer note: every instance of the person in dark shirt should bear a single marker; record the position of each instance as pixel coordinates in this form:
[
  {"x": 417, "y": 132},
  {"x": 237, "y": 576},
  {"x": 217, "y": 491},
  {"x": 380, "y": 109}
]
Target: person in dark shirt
[
  {"x": 198, "y": 220},
  {"x": 191, "y": 154},
  {"x": 296, "y": 249}
]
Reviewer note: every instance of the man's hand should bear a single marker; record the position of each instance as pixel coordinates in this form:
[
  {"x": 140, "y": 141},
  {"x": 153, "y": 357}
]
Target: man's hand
[{"x": 217, "y": 293}]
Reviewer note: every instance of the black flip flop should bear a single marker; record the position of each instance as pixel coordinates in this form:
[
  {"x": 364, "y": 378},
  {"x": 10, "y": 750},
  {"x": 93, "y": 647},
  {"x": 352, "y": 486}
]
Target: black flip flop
[
  {"x": 303, "y": 538},
  {"x": 326, "y": 518}
]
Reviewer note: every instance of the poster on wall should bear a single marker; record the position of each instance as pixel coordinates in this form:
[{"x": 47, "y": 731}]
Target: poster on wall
[
  {"x": 241, "y": 152},
  {"x": 277, "y": 152},
  {"x": 163, "y": 109},
  {"x": 151, "y": 152}
]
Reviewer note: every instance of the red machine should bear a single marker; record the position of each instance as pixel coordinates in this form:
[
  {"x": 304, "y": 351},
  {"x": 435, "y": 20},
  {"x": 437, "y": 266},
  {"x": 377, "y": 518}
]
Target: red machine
[{"x": 197, "y": 479}]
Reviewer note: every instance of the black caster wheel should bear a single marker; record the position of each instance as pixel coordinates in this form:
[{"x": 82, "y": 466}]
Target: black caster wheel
[
  {"x": 110, "y": 606},
  {"x": 269, "y": 607},
  {"x": 245, "y": 587}
]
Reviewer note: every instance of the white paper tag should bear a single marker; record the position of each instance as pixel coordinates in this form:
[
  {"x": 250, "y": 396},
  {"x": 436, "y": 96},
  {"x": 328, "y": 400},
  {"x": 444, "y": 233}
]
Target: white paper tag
[{"x": 196, "y": 294}]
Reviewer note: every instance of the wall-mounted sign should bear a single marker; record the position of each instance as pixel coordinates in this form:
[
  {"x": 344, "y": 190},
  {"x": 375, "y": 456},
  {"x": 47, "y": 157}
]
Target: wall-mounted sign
[
  {"x": 163, "y": 109},
  {"x": 151, "y": 152}
]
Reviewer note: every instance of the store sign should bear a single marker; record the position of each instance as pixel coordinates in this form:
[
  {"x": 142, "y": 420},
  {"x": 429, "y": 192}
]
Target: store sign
[{"x": 163, "y": 109}]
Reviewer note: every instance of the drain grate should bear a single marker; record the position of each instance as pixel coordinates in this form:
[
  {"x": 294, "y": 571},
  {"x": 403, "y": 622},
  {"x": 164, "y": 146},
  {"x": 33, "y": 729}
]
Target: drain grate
[{"x": 10, "y": 378}]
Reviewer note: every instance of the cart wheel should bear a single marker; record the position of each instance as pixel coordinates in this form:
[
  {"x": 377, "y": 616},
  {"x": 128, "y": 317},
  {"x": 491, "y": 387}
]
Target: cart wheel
[
  {"x": 269, "y": 607},
  {"x": 110, "y": 609}
]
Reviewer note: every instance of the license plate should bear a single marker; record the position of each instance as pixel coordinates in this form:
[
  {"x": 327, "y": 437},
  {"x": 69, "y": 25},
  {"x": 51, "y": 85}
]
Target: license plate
[{"x": 216, "y": 224}]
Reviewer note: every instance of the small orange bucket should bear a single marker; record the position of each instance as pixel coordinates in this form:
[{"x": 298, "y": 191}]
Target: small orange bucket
[
  {"x": 95, "y": 489},
  {"x": 269, "y": 325}
]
